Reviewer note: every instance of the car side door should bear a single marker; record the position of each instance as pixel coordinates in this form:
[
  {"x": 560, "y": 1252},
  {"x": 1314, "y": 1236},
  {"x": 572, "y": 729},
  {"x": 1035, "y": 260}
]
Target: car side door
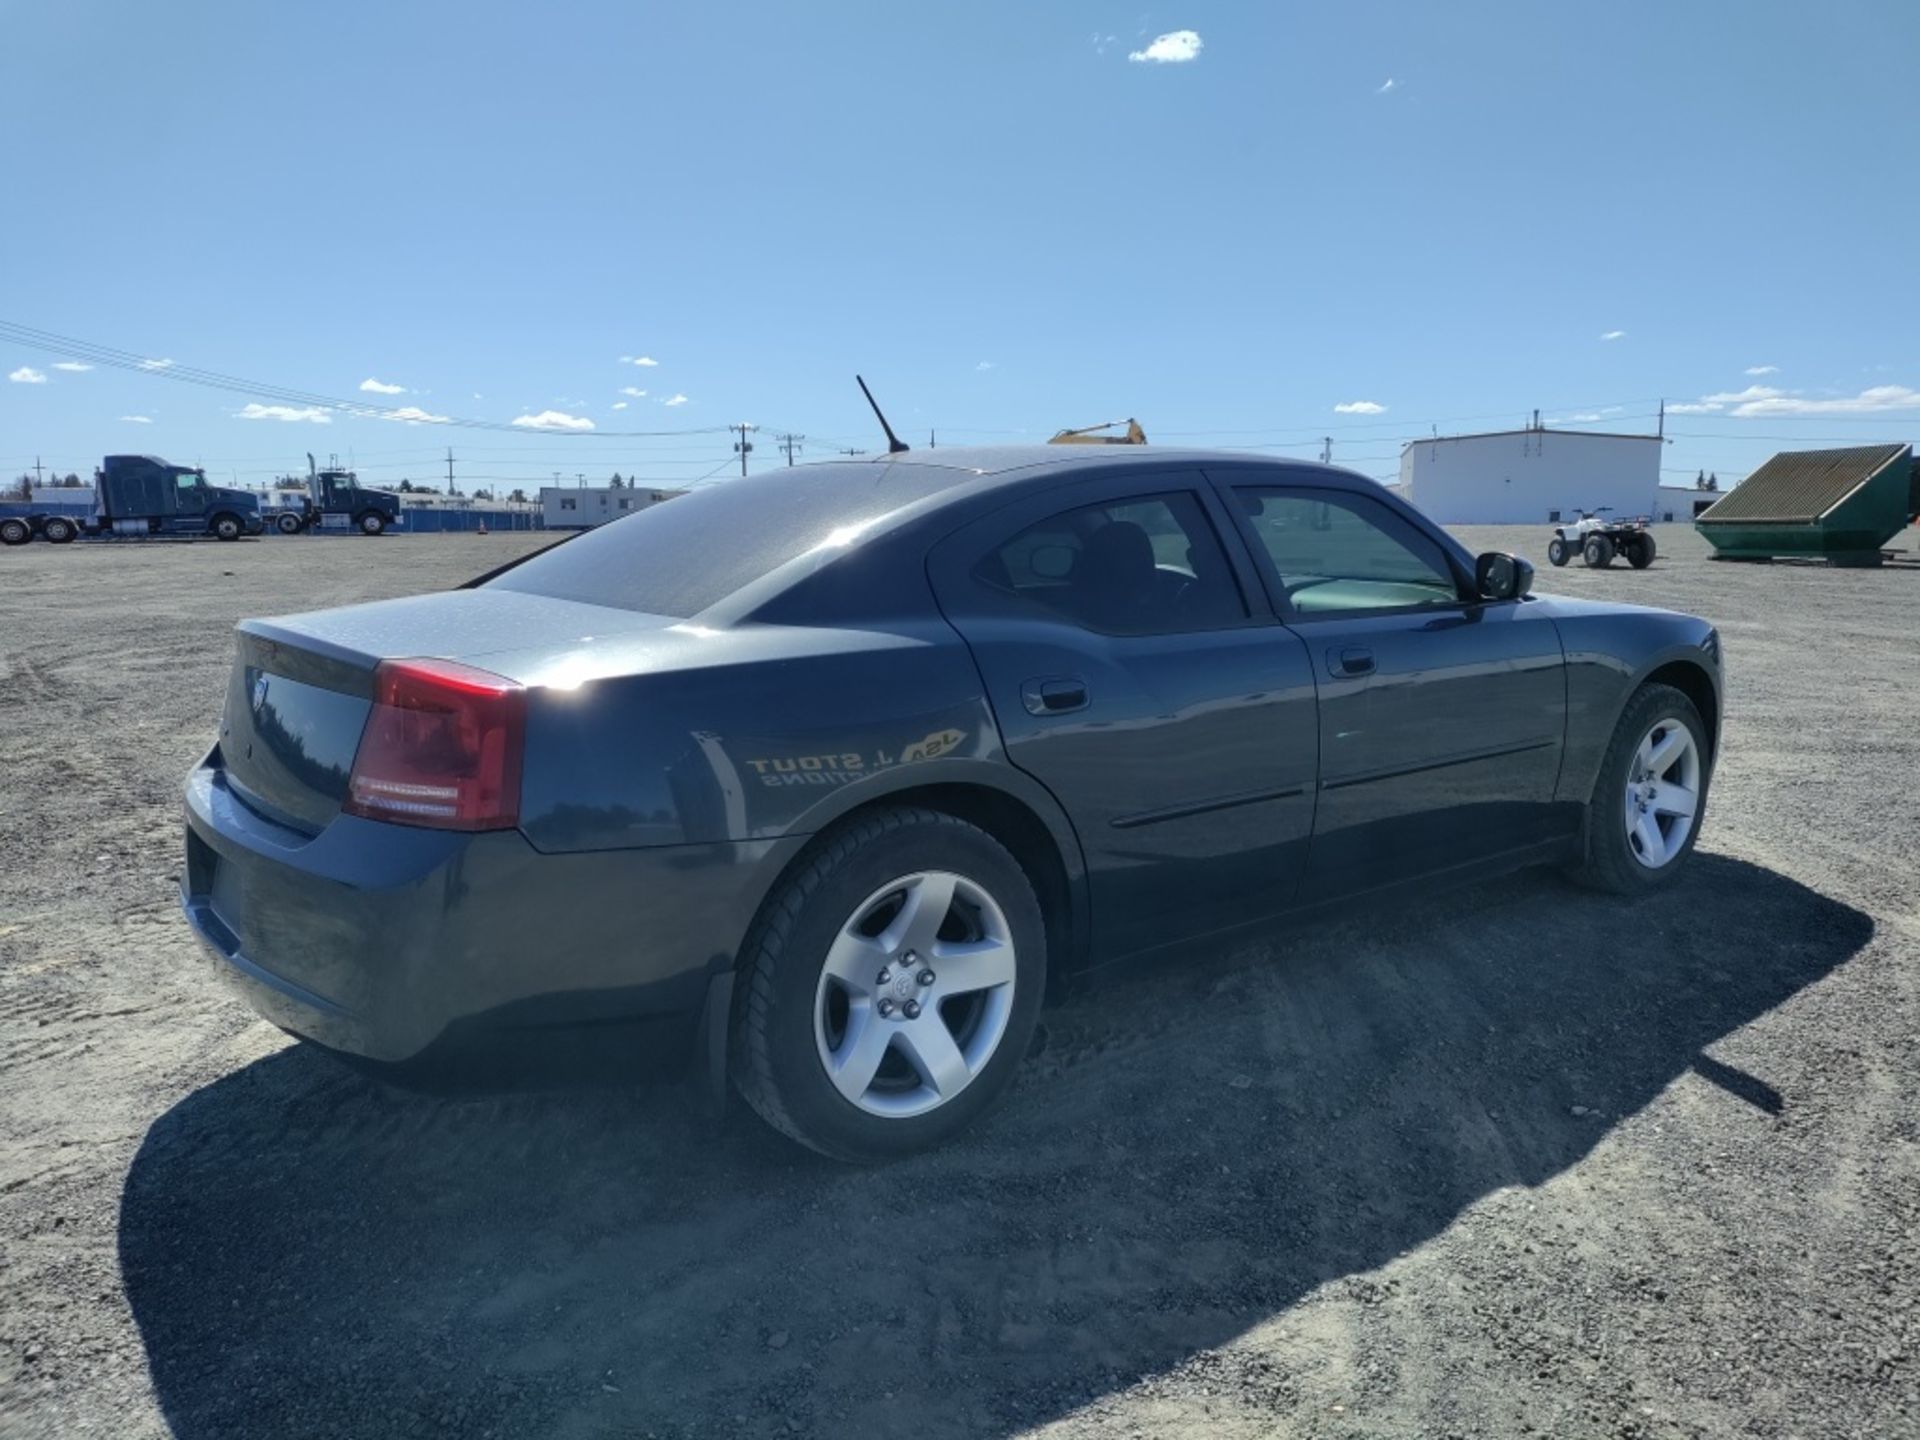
[
  {"x": 1137, "y": 672},
  {"x": 1442, "y": 716}
]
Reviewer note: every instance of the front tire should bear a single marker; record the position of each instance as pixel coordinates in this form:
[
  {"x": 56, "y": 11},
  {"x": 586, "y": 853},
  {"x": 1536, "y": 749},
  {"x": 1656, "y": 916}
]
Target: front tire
[
  {"x": 226, "y": 527},
  {"x": 1650, "y": 797},
  {"x": 372, "y": 523},
  {"x": 1557, "y": 552},
  {"x": 1598, "y": 553},
  {"x": 868, "y": 1069}
]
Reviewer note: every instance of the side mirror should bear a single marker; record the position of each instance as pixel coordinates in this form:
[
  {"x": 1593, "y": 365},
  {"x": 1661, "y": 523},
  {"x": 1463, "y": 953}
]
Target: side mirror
[{"x": 1502, "y": 577}]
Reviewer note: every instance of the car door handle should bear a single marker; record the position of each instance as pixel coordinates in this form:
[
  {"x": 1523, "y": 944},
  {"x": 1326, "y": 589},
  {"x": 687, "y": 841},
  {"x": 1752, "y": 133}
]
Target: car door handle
[
  {"x": 1054, "y": 694},
  {"x": 1347, "y": 661}
]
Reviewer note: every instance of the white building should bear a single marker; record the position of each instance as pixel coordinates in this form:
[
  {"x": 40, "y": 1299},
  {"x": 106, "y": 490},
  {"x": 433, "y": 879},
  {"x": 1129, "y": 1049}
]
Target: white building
[
  {"x": 1530, "y": 477},
  {"x": 580, "y": 507}
]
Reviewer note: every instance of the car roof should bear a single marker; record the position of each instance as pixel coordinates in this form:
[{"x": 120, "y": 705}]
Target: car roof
[{"x": 1020, "y": 461}]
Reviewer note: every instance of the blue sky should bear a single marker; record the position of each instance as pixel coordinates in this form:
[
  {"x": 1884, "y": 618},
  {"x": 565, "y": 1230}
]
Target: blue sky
[{"x": 992, "y": 211}]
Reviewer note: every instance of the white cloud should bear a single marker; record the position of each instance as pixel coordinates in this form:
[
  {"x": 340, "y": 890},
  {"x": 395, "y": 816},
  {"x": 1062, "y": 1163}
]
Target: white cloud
[
  {"x": 675, "y": 399},
  {"x": 553, "y": 420},
  {"x": 1759, "y": 401},
  {"x": 619, "y": 404},
  {"x": 642, "y": 360},
  {"x": 1359, "y": 407},
  {"x": 1614, "y": 335},
  {"x": 74, "y": 366},
  {"x": 136, "y": 419},
  {"x": 1388, "y": 88},
  {"x": 1742, "y": 397},
  {"x": 1763, "y": 370},
  {"x": 412, "y": 415},
  {"x": 156, "y": 364},
  {"x": 1104, "y": 43},
  {"x": 1176, "y": 47},
  {"x": 27, "y": 375},
  {"x": 291, "y": 414},
  {"x": 984, "y": 365},
  {"x": 377, "y": 387},
  {"x": 1873, "y": 401},
  {"x": 635, "y": 394}
]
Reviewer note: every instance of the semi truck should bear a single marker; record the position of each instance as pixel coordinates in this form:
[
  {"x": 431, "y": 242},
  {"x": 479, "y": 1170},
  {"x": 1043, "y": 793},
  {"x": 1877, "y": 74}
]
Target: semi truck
[
  {"x": 144, "y": 495},
  {"x": 335, "y": 498}
]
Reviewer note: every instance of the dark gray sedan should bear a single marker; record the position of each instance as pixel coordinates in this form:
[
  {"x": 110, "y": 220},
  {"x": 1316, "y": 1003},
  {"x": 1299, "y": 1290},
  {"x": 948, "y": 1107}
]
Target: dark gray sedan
[{"x": 818, "y": 778}]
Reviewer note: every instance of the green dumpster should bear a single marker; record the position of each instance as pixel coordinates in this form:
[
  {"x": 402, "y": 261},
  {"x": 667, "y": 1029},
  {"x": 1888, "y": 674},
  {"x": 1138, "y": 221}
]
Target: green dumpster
[{"x": 1843, "y": 505}]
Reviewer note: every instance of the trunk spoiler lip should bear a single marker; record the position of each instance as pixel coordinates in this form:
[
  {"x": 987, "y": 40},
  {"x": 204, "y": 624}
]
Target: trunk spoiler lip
[{"x": 306, "y": 657}]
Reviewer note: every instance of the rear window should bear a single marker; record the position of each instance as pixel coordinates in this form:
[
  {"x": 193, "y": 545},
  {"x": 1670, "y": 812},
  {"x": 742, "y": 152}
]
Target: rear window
[{"x": 684, "y": 555}]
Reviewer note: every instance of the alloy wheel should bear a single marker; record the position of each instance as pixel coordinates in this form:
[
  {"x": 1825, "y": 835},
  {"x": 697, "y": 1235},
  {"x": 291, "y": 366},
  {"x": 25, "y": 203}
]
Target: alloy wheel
[
  {"x": 914, "y": 997},
  {"x": 1663, "y": 793}
]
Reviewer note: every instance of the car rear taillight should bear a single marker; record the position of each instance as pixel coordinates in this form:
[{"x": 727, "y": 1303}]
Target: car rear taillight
[{"x": 441, "y": 748}]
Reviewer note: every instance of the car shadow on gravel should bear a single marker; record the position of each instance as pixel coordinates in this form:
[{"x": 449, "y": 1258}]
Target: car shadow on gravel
[{"x": 308, "y": 1252}]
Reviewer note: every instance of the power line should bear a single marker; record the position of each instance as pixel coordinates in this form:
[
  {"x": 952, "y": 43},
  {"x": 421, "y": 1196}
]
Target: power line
[{"x": 300, "y": 399}]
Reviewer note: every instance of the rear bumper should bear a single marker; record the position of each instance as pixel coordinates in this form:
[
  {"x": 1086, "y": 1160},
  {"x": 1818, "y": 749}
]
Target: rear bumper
[{"x": 378, "y": 939}]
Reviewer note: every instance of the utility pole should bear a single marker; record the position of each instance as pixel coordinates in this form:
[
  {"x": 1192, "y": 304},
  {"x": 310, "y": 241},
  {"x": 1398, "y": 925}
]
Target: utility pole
[
  {"x": 37, "y": 468},
  {"x": 789, "y": 443},
  {"x": 1326, "y": 450},
  {"x": 743, "y": 446},
  {"x": 1663, "y": 420},
  {"x": 449, "y": 470},
  {"x": 932, "y": 442}
]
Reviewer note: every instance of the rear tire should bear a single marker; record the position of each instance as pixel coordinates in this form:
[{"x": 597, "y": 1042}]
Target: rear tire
[
  {"x": 59, "y": 532},
  {"x": 1557, "y": 552},
  {"x": 1598, "y": 552},
  {"x": 812, "y": 1004},
  {"x": 1627, "y": 799},
  {"x": 1641, "y": 555},
  {"x": 14, "y": 531}
]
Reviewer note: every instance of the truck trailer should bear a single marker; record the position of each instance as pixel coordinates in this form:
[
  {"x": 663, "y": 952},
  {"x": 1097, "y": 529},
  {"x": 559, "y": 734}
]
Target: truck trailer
[{"x": 144, "y": 495}]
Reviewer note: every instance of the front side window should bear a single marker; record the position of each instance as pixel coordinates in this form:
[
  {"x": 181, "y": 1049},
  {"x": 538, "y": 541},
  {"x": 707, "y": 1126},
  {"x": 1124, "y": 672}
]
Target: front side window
[
  {"x": 1337, "y": 552},
  {"x": 187, "y": 480},
  {"x": 1143, "y": 566}
]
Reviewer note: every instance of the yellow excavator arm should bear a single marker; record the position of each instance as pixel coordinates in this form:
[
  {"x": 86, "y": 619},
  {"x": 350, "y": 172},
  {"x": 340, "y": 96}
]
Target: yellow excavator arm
[{"x": 1090, "y": 435}]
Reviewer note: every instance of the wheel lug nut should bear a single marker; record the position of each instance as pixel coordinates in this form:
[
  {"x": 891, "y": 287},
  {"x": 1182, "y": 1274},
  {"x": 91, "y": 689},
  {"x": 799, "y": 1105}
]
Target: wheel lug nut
[
  {"x": 886, "y": 1008},
  {"x": 885, "y": 975},
  {"x": 926, "y": 977},
  {"x": 911, "y": 1009}
]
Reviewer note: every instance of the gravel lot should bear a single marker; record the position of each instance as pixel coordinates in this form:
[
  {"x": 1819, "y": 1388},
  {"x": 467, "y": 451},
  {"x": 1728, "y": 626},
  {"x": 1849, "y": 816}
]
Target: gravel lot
[{"x": 1521, "y": 1161}]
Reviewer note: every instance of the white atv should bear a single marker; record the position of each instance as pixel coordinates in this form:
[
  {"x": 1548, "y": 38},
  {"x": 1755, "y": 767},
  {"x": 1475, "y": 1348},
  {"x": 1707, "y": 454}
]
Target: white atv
[{"x": 1597, "y": 540}]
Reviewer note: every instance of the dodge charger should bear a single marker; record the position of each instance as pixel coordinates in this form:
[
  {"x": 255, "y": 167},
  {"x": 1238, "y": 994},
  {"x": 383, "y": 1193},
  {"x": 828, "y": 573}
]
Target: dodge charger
[{"x": 818, "y": 780}]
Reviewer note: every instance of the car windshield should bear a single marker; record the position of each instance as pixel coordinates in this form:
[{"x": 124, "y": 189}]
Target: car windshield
[{"x": 685, "y": 555}]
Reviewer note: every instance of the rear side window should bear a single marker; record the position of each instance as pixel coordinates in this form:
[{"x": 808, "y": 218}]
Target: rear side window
[
  {"x": 1150, "y": 565},
  {"x": 1339, "y": 552},
  {"x": 688, "y": 553}
]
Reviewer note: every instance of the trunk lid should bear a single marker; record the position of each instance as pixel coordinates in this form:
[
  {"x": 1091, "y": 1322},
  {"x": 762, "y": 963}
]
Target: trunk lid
[{"x": 302, "y": 685}]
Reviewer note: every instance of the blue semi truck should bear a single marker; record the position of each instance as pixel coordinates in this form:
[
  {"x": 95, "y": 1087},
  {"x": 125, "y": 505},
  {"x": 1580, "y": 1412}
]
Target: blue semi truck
[
  {"x": 144, "y": 495},
  {"x": 335, "y": 499}
]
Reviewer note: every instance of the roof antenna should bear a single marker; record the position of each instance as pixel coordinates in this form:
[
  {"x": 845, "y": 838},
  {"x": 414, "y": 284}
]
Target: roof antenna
[{"x": 894, "y": 443}]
